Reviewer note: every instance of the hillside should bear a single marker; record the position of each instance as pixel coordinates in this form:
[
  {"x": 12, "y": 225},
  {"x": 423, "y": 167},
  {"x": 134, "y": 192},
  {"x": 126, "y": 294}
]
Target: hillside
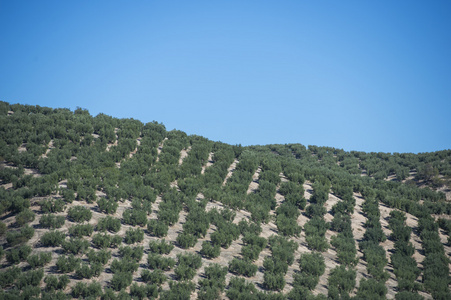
[{"x": 96, "y": 207}]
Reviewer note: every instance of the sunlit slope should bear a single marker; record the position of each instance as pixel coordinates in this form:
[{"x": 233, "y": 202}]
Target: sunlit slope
[{"x": 106, "y": 207}]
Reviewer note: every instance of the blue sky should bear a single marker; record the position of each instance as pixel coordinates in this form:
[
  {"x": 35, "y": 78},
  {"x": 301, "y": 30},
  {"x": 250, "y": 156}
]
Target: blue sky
[{"x": 357, "y": 75}]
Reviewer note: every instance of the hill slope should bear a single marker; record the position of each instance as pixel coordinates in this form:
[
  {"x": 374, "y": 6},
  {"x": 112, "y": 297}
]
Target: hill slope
[{"x": 99, "y": 206}]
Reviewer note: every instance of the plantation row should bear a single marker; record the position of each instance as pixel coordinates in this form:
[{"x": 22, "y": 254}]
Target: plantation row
[{"x": 112, "y": 209}]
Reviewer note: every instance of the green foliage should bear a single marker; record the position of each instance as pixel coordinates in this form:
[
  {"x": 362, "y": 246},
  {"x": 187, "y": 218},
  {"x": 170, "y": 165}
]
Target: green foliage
[
  {"x": 108, "y": 206},
  {"x": 105, "y": 240},
  {"x": 187, "y": 265},
  {"x": 54, "y": 283},
  {"x": 227, "y": 232},
  {"x": 145, "y": 291},
  {"x": 52, "y": 206},
  {"x": 86, "y": 271},
  {"x": 341, "y": 281},
  {"x": 273, "y": 281},
  {"x": 156, "y": 261},
  {"x": 109, "y": 223},
  {"x": 134, "y": 236},
  {"x": 134, "y": 217},
  {"x": 156, "y": 228},
  {"x": 2, "y": 228},
  {"x": 80, "y": 230},
  {"x": 242, "y": 267},
  {"x": 125, "y": 265},
  {"x": 101, "y": 256},
  {"x": 346, "y": 250},
  {"x": 141, "y": 177},
  {"x": 79, "y": 214},
  {"x": 9, "y": 275},
  {"x": 249, "y": 227},
  {"x": 85, "y": 290},
  {"x": 240, "y": 289},
  {"x": 436, "y": 274},
  {"x": 39, "y": 260},
  {"x": 186, "y": 240},
  {"x": 121, "y": 280},
  {"x": 315, "y": 230},
  {"x": 160, "y": 247},
  {"x": 21, "y": 236},
  {"x": 16, "y": 255},
  {"x": 253, "y": 245},
  {"x": 32, "y": 277},
  {"x": 24, "y": 217},
  {"x": 68, "y": 195},
  {"x": 157, "y": 276},
  {"x": 210, "y": 251},
  {"x": 75, "y": 245},
  {"x": 67, "y": 264},
  {"x": 371, "y": 289},
  {"x": 312, "y": 264},
  {"x": 51, "y": 221},
  {"x": 130, "y": 253},
  {"x": 214, "y": 275},
  {"x": 178, "y": 290}
]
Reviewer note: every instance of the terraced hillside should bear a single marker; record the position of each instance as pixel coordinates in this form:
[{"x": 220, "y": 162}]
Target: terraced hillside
[{"x": 102, "y": 207}]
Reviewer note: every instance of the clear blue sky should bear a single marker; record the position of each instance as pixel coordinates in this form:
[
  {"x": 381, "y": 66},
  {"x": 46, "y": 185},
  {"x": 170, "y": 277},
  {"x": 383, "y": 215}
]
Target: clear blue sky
[{"x": 358, "y": 75}]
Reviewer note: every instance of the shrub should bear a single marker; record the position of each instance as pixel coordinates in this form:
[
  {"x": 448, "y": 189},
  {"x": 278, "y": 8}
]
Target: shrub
[
  {"x": 108, "y": 206},
  {"x": 9, "y": 275},
  {"x": 178, "y": 290},
  {"x": 341, "y": 281},
  {"x": 312, "y": 263},
  {"x": 2, "y": 228},
  {"x": 39, "y": 260},
  {"x": 19, "y": 237},
  {"x": 52, "y": 238},
  {"x": 51, "y": 221},
  {"x": 75, "y": 245},
  {"x": 79, "y": 214},
  {"x": 86, "y": 271},
  {"x": 242, "y": 267},
  {"x": 156, "y": 261},
  {"x": 101, "y": 241},
  {"x": 24, "y": 217},
  {"x": 54, "y": 283},
  {"x": 145, "y": 291},
  {"x": 52, "y": 206},
  {"x": 135, "y": 217},
  {"x": 134, "y": 235},
  {"x": 68, "y": 195},
  {"x": 67, "y": 264},
  {"x": 216, "y": 275},
  {"x": 240, "y": 289},
  {"x": 186, "y": 240},
  {"x": 16, "y": 255},
  {"x": 84, "y": 290},
  {"x": 109, "y": 223},
  {"x": 101, "y": 256},
  {"x": 121, "y": 280},
  {"x": 81, "y": 230},
  {"x": 210, "y": 251},
  {"x": 371, "y": 289},
  {"x": 124, "y": 265},
  {"x": 32, "y": 278},
  {"x": 273, "y": 281},
  {"x": 187, "y": 265},
  {"x": 249, "y": 228},
  {"x": 157, "y": 276},
  {"x": 156, "y": 228},
  {"x": 160, "y": 247},
  {"x": 134, "y": 253}
]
